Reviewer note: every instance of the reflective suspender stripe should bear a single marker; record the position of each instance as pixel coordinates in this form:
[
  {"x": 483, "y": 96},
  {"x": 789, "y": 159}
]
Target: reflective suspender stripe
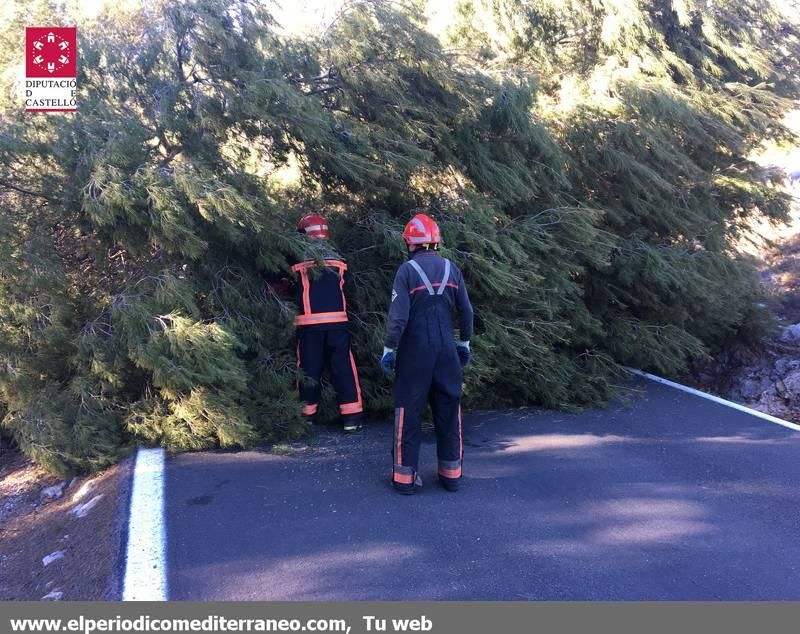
[
  {"x": 422, "y": 276},
  {"x": 342, "y": 268},
  {"x": 446, "y": 277},
  {"x": 309, "y": 317},
  {"x": 310, "y": 264},
  {"x": 435, "y": 285},
  {"x": 306, "y": 284},
  {"x": 426, "y": 281}
]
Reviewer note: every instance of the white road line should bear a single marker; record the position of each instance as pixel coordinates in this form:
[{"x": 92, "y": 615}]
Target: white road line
[
  {"x": 716, "y": 399},
  {"x": 146, "y": 557}
]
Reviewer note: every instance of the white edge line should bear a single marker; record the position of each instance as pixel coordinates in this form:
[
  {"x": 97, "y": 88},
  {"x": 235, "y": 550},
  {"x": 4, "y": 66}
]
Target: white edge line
[
  {"x": 716, "y": 399},
  {"x": 145, "y": 558}
]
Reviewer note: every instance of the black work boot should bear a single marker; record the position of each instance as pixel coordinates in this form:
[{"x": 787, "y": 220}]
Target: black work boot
[
  {"x": 450, "y": 484},
  {"x": 408, "y": 489},
  {"x": 352, "y": 424}
]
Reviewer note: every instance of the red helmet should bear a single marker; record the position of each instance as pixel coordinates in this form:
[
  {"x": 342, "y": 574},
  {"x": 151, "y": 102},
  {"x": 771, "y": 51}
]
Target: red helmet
[
  {"x": 422, "y": 229},
  {"x": 314, "y": 225}
]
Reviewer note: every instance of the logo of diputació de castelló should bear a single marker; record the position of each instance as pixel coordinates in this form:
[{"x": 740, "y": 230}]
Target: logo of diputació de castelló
[{"x": 51, "y": 68}]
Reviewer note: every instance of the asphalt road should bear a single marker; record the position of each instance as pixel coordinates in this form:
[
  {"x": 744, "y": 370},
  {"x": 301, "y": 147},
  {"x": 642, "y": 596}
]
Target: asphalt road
[{"x": 668, "y": 496}]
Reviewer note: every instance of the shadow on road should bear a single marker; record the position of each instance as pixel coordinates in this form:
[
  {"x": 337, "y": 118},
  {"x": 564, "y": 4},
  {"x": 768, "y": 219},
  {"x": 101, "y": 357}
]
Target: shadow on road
[{"x": 666, "y": 497}]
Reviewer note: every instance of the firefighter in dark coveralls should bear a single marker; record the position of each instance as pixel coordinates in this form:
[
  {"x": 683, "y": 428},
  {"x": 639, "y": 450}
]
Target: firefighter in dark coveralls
[
  {"x": 322, "y": 336},
  {"x": 421, "y": 345}
]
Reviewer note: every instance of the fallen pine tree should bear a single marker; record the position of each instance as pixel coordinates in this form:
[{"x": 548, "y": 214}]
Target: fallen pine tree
[{"x": 589, "y": 166}]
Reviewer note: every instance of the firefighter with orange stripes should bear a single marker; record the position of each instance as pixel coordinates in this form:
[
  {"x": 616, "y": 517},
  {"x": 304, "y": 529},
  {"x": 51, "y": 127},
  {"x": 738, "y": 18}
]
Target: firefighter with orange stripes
[
  {"x": 420, "y": 345},
  {"x": 322, "y": 335}
]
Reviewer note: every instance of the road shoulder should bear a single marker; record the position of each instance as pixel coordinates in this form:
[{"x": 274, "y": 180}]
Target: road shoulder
[{"x": 61, "y": 539}]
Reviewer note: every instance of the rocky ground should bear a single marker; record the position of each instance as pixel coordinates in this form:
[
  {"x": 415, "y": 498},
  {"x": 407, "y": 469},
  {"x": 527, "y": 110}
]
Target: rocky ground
[
  {"x": 59, "y": 539},
  {"x": 766, "y": 376},
  {"x": 766, "y": 379}
]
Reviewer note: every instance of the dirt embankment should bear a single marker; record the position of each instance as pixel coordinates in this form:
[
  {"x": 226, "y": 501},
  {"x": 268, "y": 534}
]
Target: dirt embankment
[{"x": 60, "y": 539}]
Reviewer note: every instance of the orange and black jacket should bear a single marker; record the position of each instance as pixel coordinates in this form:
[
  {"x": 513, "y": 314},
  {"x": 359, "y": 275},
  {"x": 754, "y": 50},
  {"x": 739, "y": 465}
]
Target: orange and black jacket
[
  {"x": 318, "y": 288},
  {"x": 320, "y": 294}
]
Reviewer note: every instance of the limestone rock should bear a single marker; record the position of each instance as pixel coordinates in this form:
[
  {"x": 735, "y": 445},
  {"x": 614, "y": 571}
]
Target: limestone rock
[
  {"x": 85, "y": 489},
  {"x": 753, "y": 387},
  {"x": 54, "y": 556},
  {"x": 81, "y": 510},
  {"x": 52, "y": 492},
  {"x": 792, "y": 384},
  {"x": 791, "y": 334}
]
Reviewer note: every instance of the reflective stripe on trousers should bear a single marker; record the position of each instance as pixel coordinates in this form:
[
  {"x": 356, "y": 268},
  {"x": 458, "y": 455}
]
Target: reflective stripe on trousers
[{"x": 316, "y": 348}]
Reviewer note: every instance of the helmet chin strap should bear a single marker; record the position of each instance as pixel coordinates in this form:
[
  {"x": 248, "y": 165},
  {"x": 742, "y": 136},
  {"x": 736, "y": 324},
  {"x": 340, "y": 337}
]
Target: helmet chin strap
[{"x": 414, "y": 248}]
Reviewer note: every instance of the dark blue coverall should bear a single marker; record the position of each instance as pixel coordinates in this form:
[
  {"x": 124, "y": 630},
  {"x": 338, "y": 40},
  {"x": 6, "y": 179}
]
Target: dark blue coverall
[{"x": 420, "y": 328}]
